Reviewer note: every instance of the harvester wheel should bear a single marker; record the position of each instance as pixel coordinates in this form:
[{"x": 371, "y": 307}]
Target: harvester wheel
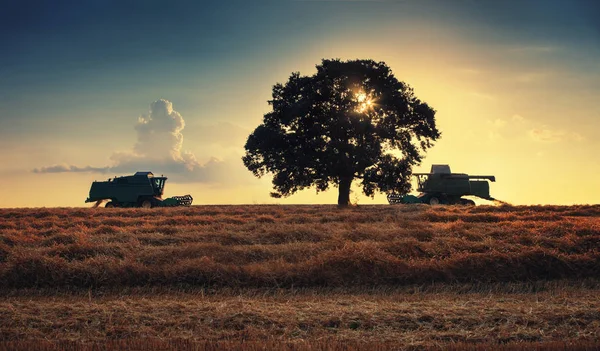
[
  {"x": 110, "y": 204},
  {"x": 434, "y": 201},
  {"x": 146, "y": 204}
]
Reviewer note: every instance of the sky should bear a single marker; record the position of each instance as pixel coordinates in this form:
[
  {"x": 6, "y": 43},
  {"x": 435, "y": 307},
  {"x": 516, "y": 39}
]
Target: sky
[{"x": 90, "y": 90}]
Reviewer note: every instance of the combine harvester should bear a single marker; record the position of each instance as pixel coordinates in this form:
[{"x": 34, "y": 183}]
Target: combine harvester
[
  {"x": 444, "y": 187},
  {"x": 142, "y": 189}
]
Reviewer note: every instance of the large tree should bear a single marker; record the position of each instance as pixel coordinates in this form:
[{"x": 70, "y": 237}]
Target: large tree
[{"x": 351, "y": 120}]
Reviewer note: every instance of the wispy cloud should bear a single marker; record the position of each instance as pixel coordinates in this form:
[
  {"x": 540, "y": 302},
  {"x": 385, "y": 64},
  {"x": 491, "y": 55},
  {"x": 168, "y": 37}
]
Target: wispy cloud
[
  {"x": 469, "y": 71},
  {"x": 518, "y": 125},
  {"x": 518, "y": 119},
  {"x": 532, "y": 48},
  {"x": 531, "y": 77},
  {"x": 62, "y": 168},
  {"x": 546, "y": 135},
  {"x": 495, "y": 129}
]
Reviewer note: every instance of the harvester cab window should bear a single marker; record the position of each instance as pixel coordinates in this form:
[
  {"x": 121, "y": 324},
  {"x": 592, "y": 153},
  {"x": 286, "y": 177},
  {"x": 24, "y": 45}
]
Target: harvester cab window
[
  {"x": 422, "y": 180},
  {"x": 158, "y": 184}
]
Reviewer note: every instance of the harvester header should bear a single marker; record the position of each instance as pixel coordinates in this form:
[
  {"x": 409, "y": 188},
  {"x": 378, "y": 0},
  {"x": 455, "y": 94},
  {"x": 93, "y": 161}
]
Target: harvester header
[
  {"x": 142, "y": 189},
  {"x": 441, "y": 186}
]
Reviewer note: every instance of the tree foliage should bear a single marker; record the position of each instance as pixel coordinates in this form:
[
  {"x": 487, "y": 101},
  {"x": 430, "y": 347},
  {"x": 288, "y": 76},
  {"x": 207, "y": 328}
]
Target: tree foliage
[{"x": 350, "y": 120}]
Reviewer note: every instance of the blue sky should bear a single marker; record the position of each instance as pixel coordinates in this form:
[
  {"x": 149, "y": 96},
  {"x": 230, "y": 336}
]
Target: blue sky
[{"x": 75, "y": 77}]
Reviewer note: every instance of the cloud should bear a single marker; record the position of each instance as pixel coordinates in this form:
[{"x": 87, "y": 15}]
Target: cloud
[
  {"x": 69, "y": 168},
  {"x": 498, "y": 123},
  {"x": 495, "y": 129},
  {"x": 518, "y": 119},
  {"x": 159, "y": 133},
  {"x": 469, "y": 71},
  {"x": 517, "y": 125},
  {"x": 541, "y": 49},
  {"x": 159, "y": 148},
  {"x": 546, "y": 135},
  {"x": 531, "y": 77}
]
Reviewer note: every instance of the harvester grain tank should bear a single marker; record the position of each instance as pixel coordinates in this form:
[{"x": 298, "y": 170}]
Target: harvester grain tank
[
  {"x": 142, "y": 189},
  {"x": 441, "y": 186}
]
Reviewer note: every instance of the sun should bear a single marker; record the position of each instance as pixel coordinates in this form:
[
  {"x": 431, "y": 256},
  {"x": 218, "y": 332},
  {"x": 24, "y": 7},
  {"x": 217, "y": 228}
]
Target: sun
[{"x": 364, "y": 102}]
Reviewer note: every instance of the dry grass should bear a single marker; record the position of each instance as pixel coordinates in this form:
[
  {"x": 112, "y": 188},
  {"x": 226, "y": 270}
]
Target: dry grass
[
  {"x": 377, "y": 316},
  {"x": 328, "y": 345},
  {"x": 301, "y": 278},
  {"x": 296, "y": 246}
]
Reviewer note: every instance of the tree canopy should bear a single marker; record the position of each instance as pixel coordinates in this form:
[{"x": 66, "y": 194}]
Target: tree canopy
[{"x": 350, "y": 120}]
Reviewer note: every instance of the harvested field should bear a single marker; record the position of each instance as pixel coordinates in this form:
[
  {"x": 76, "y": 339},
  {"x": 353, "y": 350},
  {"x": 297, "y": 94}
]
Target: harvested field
[{"x": 301, "y": 277}]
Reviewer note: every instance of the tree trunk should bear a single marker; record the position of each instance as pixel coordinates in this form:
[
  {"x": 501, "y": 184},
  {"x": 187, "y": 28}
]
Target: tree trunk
[{"x": 344, "y": 194}]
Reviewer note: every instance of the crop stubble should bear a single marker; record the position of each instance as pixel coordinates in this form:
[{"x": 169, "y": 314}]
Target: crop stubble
[{"x": 389, "y": 276}]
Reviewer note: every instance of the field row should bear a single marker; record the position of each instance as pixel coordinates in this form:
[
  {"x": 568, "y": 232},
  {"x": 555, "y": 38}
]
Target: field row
[
  {"x": 270, "y": 246},
  {"x": 386, "y": 316},
  {"x": 300, "y": 345}
]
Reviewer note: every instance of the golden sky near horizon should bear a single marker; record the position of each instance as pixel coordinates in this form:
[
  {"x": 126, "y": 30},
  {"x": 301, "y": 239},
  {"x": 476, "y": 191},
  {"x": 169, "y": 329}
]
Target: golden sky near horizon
[{"x": 521, "y": 107}]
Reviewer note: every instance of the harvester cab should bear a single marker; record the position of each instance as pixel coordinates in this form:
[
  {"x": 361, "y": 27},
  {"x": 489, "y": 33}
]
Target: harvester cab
[
  {"x": 158, "y": 184},
  {"x": 142, "y": 189},
  {"x": 441, "y": 186}
]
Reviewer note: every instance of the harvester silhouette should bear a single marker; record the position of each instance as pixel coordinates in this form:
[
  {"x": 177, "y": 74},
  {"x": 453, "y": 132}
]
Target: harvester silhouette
[
  {"x": 142, "y": 189},
  {"x": 441, "y": 186}
]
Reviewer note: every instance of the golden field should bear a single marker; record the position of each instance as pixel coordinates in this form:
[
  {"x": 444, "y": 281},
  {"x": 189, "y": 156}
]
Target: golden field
[{"x": 301, "y": 277}]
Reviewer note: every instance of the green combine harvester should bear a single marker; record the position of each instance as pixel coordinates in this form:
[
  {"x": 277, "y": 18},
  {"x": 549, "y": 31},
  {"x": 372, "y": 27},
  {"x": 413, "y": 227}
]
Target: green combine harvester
[
  {"x": 441, "y": 186},
  {"x": 142, "y": 189}
]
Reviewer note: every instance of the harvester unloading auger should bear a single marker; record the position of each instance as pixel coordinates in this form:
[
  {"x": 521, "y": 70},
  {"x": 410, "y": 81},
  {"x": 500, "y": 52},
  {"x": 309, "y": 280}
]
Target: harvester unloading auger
[
  {"x": 142, "y": 189},
  {"x": 441, "y": 186}
]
